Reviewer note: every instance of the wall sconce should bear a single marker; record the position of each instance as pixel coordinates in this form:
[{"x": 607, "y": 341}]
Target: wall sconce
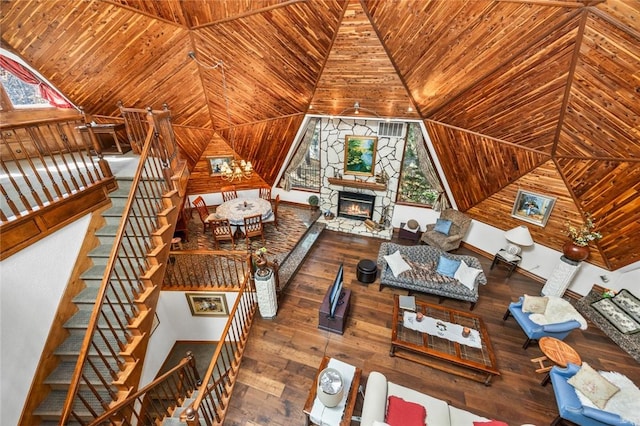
[{"x": 356, "y": 107}]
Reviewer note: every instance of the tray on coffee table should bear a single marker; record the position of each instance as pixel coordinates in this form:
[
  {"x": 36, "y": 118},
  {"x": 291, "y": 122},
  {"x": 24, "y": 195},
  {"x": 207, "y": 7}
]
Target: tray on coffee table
[{"x": 437, "y": 352}]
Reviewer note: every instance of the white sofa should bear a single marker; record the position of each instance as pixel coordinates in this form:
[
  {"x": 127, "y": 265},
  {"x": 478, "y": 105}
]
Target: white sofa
[{"x": 439, "y": 413}]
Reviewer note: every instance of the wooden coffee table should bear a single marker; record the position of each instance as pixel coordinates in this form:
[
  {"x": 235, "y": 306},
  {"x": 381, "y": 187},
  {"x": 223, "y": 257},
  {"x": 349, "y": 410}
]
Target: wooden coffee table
[
  {"x": 351, "y": 398},
  {"x": 433, "y": 351},
  {"x": 556, "y": 351}
]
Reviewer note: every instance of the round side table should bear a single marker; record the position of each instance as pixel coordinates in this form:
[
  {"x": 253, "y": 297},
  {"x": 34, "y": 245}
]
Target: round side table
[{"x": 557, "y": 352}]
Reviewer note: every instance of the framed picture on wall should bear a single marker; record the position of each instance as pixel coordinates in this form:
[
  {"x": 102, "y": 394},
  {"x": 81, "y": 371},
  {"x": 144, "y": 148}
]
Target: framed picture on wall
[
  {"x": 208, "y": 304},
  {"x": 533, "y": 208},
  {"x": 215, "y": 164},
  {"x": 360, "y": 155}
]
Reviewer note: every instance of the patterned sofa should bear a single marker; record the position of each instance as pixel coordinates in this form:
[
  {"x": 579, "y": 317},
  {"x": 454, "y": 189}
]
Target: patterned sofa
[{"x": 423, "y": 277}]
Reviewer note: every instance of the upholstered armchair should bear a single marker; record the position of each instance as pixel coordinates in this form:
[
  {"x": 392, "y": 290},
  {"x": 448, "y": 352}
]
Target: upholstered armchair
[
  {"x": 455, "y": 232},
  {"x": 535, "y": 330},
  {"x": 571, "y": 408}
]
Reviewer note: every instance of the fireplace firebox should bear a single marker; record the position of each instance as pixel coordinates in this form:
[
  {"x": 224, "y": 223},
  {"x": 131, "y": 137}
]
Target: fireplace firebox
[{"x": 354, "y": 205}]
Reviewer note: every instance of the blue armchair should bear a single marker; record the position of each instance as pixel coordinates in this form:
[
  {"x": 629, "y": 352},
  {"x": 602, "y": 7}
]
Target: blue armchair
[
  {"x": 570, "y": 407},
  {"x": 536, "y": 331}
]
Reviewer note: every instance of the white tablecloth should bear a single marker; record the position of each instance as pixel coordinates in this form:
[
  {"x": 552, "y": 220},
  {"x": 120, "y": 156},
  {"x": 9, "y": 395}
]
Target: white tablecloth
[
  {"x": 236, "y": 210},
  {"x": 325, "y": 416},
  {"x": 444, "y": 329}
]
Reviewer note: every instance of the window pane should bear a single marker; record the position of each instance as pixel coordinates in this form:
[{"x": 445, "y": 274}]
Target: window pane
[
  {"x": 414, "y": 186},
  {"x": 20, "y": 93},
  {"x": 307, "y": 172}
]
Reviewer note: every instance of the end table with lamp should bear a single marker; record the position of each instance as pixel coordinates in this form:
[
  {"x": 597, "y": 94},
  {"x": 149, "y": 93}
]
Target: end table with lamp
[{"x": 516, "y": 237}]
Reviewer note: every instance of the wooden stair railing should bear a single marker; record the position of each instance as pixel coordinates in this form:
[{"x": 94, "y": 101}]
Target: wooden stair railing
[
  {"x": 158, "y": 399},
  {"x": 126, "y": 299},
  {"x": 211, "y": 401}
]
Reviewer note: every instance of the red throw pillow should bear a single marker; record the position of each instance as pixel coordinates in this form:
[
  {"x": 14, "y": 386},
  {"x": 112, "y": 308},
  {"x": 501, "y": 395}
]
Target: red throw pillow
[
  {"x": 405, "y": 413},
  {"x": 490, "y": 423}
]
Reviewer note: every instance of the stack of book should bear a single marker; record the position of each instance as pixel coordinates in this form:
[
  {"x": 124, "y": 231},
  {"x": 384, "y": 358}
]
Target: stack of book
[{"x": 408, "y": 303}]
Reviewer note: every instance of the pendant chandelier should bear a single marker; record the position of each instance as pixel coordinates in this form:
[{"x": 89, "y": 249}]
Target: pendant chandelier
[{"x": 236, "y": 169}]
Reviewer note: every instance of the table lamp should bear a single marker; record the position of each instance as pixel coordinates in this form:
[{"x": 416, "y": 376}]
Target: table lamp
[
  {"x": 330, "y": 387},
  {"x": 517, "y": 237}
]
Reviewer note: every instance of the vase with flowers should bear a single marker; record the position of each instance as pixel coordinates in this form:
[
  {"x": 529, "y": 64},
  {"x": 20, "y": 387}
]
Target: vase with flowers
[
  {"x": 261, "y": 261},
  {"x": 577, "y": 248}
]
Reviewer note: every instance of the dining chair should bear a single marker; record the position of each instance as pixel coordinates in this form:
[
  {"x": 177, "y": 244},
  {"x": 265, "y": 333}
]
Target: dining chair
[
  {"x": 229, "y": 193},
  {"x": 253, "y": 227},
  {"x": 203, "y": 212},
  {"x": 265, "y": 193},
  {"x": 223, "y": 231},
  {"x": 273, "y": 219}
]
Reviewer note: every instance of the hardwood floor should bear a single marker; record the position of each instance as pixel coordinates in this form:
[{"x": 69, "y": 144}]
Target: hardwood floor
[{"x": 282, "y": 354}]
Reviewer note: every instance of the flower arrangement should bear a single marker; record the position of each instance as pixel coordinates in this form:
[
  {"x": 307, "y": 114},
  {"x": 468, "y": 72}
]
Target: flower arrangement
[
  {"x": 261, "y": 251},
  {"x": 608, "y": 293},
  {"x": 581, "y": 236}
]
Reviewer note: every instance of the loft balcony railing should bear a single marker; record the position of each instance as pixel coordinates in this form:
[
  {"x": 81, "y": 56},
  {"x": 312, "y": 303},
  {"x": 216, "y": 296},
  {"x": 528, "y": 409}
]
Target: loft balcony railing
[
  {"x": 166, "y": 394},
  {"x": 45, "y": 162},
  {"x": 108, "y": 352}
]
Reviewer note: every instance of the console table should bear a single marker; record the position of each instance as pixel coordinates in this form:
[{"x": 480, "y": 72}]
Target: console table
[{"x": 107, "y": 135}]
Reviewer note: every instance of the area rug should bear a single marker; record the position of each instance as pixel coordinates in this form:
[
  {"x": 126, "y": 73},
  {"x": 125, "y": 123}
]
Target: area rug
[
  {"x": 622, "y": 311},
  {"x": 630, "y": 343},
  {"x": 293, "y": 223}
]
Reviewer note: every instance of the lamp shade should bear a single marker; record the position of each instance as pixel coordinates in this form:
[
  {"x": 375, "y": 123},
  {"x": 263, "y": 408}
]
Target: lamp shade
[{"x": 519, "y": 235}]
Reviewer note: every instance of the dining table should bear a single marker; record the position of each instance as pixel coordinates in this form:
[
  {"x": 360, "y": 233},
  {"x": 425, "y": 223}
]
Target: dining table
[{"x": 237, "y": 209}]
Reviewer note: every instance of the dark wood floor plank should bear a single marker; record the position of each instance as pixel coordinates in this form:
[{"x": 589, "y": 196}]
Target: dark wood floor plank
[{"x": 283, "y": 353}]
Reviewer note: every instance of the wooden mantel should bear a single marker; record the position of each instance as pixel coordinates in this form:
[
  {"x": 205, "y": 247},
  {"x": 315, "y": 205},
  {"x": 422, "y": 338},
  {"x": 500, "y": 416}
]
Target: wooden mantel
[{"x": 358, "y": 184}]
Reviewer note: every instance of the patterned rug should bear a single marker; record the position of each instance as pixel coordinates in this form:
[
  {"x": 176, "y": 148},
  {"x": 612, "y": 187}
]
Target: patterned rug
[
  {"x": 293, "y": 223},
  {"x": 630, "y": 343}
]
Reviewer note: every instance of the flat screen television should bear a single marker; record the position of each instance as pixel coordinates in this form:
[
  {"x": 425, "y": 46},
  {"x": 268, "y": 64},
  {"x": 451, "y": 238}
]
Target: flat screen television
[{"x": 335, "y": 294}]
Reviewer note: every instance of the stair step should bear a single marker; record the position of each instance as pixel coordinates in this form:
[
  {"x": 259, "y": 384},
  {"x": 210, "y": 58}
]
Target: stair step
[
  {"x": 80, "y": 319},
  {"x": 60, "y": 378},
  {"x": 51, "y": 408},
  {"x": 70, "y": 348},
  {"x": 90, "y": 293},
  {"x": 185, "y": 404},
  {"x": 98, "y": 271}
]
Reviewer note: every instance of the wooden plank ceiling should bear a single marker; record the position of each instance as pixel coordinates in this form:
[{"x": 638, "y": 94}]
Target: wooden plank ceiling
[{"x": 542, "y": 96}]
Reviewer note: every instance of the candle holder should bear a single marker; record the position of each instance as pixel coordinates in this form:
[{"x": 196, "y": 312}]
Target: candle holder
[{"x": 466, "y": 331}]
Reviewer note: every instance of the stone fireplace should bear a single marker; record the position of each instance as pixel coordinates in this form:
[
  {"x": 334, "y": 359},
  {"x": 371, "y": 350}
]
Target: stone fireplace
[{"x": 354, "y": 205}]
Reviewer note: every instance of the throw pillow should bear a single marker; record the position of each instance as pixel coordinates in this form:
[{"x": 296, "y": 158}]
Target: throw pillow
[
  {"x": 447, "y": 266},
  {"x": 397, "y": 263},
  {"x": 490, "y": 423},
  {"x": 534, "y": 304},
  {"x": 443, "y": 226},
  {"x": 625, "y": 403},
  {"x": 595, "y": 387},
  {"x": 467, "y": 275},
  {"x": 405, "y": 413}
]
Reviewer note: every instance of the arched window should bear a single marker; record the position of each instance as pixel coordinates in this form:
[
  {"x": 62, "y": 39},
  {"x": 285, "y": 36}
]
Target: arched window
[{"x": 25, "y": 88}]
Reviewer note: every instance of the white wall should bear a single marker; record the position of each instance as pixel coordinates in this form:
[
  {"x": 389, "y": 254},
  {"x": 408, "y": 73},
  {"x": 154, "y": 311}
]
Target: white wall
[
  {"x": 177, "y": 323},
  {"x": 537, "y": 259},
  {"x": 33, "y": 281}
]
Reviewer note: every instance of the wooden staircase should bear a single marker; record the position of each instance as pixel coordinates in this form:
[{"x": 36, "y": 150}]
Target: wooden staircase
[
  {"x": 94, "y": 354},
  {"x": 108, "y": 385}
]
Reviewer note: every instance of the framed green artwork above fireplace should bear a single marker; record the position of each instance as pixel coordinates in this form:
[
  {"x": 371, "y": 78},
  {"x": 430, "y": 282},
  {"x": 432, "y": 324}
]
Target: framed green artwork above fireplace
[{"x": 360, "y": 155}]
